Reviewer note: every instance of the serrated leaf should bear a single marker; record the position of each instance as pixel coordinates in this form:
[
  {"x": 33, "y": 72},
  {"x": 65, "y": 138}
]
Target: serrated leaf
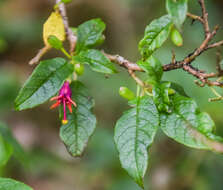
[
  {"x": 81, "y": 123},
  {"x": 6, "y": 151},
  {"x": 18, "y": 151},
  {"x": 10, "y": 184},
  {"x": 156, "y": 34},
  {"x": 161, "y": 96},
  {"x": 187, "y": 125},
  {"x": 153, "y": 67},
  {"x": 177, "y": 9},
  {"x": 96, "y": 60},
  {"x": 134, "y": 133},
  {"x": 89, "y": 34},
  {"x": 54, "y": 26},
  {"x": 45, "y": 81}
]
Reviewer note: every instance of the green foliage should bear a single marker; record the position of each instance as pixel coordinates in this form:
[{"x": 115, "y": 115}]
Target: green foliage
[
  {"x": 13, "y": 145},
  {"x": 161, "y": 96},
  {"x": 187, "y": 125},
  {"x": 45, "y": 81},
  {"x": 10, "y": 184},
  {"x": 178, "y": 88},
  {"x": 9, "y": 87},
  {"x": 89, "y": 34},
  {"x": 177, "y": 9},
  {"x": 6, "y": 151},
  {"x": 96, "y": 60},
  {"x": 134, "y": 133},
  {"x": 153, "y": 67},
  {"x": 3, "y": 45},
  {"x": 81, "y": 123},
  {"x": 178, "y": 116},
  {"x": 55, "y": 42},
  {"x": 156, "y": 34}
]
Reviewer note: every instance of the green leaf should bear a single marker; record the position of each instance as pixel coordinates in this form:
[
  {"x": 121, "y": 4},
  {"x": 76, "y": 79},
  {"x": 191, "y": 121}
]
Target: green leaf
[
  {"x": 153, "y": 67},
  {"x": 6, "y": 151},
  {"x": 96, "y": 60},
  {"x": 10, "y": 184},
  {"x": 178, "y": 88},
  {"x": 89, "y": 34},
  {"x": 55, "y": 42},
  {"x": 187, "y": 125},
  {"x": 177, "y": 9},
  {"x": 81, "y": 123},
  {"x": 161, "y": 96},
  {"x": 18, "y": 151},
  {"x": 156, "y": 34},
  {"x": 134, "y": 133},
  {"x": 45, "y": 81}
]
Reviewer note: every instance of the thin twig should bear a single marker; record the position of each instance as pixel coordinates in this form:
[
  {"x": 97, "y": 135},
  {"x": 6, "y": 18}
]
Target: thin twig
[
  {"x": 184, "y": 64},
  {"x": 138, "y": 81},
  {"x": 39, "y": 55},
  {"x": 195, "y": 17},
  {"x": 205, "y": 18},
  {"x": 70, "y": 36}
]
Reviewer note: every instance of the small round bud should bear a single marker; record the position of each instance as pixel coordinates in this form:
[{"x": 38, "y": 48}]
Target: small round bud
[
  {"x": 126, "y": 93},
  {"x": 176, "y": 37},
  {"x": 171, "y": 91},
  {"x": 79, "y": 68}
]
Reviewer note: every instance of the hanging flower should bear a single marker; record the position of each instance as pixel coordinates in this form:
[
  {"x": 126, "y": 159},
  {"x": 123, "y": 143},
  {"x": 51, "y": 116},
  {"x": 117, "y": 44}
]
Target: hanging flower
[{"x": 64, "y": 98}]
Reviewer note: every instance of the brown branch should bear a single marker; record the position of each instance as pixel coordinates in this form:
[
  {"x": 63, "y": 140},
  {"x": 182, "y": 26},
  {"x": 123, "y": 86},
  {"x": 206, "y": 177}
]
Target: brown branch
[
  {"x": 184, "y": 64},
  {"x": 39, "y": 55},
  {"x": 195, "y": 17},
  {"x": 123, "y": 62},
  {"x": 214, "y": 45},
  {"x": 70, "y": 36},
  {"x": 204, "y": 17},
  {"x": 138, "y": 81}
]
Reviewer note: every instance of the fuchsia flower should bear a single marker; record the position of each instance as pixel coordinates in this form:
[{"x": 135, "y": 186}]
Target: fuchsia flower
[{"x": 64, "y": 98}]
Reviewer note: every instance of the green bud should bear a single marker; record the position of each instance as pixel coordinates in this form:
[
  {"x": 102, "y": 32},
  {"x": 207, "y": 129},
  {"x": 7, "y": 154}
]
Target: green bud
[
  {"x": 55, "y": 42},
  {"x": 79, "y": 68},
  {"x": 66, "y": 1},
  {"x": 126, "y": 93},
  {"x": 171, "y": 91},
  {"x": 176, "y": 37}
]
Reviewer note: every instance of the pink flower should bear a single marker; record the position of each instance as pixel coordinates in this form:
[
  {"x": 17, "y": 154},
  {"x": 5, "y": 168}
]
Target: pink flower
[{"x": 64, "y": 98}]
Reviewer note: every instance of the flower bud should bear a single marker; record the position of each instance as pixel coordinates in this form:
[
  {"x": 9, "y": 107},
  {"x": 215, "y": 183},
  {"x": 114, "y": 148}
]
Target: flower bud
[
  {"x": 79, "y": 68},
  {"x": 176, "y": 37},
  {"x": 126, "y": 93}
]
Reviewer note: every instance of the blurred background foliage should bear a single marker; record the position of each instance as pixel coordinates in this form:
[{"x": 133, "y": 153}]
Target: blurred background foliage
[{"x": 50, "y": 167}]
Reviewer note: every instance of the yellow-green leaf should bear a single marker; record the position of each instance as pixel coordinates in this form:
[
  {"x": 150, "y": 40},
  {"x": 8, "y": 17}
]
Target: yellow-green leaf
[{"x": 54, "y": 26}]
